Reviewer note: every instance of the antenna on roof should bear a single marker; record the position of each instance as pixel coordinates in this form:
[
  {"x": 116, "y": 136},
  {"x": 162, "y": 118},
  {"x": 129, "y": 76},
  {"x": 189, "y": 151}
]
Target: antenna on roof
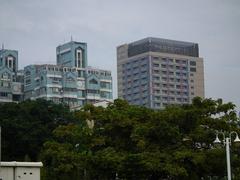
[
  {"x": 71, "y": 38},
  {"x": 2, "y": 46}
]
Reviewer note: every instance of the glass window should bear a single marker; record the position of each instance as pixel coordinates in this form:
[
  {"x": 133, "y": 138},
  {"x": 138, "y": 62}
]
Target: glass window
[
  {"x": 192, "y": 63},
  {"x": 192, "y": 69},
  {"x": 93, "y": 81}
]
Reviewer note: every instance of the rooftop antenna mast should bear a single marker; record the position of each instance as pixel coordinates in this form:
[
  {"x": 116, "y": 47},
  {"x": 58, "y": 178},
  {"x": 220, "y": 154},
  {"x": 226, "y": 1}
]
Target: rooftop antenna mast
[
  {"x": 2, "y": 46},
  {"x": 71, "y": 38}
]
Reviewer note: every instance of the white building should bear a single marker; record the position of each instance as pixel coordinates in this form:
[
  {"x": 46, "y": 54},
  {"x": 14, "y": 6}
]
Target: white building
[{"x": 20, "y": 170}]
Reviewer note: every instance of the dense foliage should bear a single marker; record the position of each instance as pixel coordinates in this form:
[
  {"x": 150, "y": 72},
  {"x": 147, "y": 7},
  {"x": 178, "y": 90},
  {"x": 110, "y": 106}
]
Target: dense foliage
[
  {"x": 121, "y": 141},
  {"x": 27, "y": 125}
]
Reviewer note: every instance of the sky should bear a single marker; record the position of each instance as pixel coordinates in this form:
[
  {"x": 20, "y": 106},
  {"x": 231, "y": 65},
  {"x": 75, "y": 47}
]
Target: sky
[{"x": 35, "y": 28}]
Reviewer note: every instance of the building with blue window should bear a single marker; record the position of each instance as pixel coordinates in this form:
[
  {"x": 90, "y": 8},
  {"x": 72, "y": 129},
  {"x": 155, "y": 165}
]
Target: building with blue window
[
  {"x": 70, "y": 81},
  {"x": 11, "y": 80},
  {"x": 155, "y": 72}
]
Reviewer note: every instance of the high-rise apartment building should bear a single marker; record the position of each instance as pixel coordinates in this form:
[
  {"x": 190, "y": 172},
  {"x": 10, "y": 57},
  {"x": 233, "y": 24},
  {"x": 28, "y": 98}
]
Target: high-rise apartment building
[
  {"x": 11, "y": 80},
  {"x": 71, "y": 81},
  {"x": 155, "y": 72}
]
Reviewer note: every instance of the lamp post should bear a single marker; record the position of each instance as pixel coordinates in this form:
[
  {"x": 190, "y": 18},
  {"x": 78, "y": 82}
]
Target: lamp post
[{"x": 227, "y": 142}]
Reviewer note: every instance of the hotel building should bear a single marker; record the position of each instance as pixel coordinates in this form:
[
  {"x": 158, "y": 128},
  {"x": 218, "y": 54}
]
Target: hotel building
[{"x": 155, "y": 72}]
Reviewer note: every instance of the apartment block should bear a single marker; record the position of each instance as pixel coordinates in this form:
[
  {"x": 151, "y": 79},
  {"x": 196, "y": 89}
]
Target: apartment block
[
  {"x": 70, "y": 81},
  {"x": 155, "y": 72},
  {"x": 11, "y": 79}
]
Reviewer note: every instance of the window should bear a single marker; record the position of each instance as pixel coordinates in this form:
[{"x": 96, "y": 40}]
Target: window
[
  {"x": 93, "y": 81},
  {"x": 192, "y": 63},
  {"x": 165, "y": 98},
  {"x": 164, "y": 85},
  {"x": 79, "y": 62},
  {"x": 28, "y": 81},
  {"x": 155, "y": 65},
  {"x": 5, "y": 84},
  {"x": 3, "y": 94},
  {"x": 164, "y": 78},
  {"x": 157, "y": 105},
  {"x": 164, "y": 91},
  {"x": 164, "y": 72},
  {"x": 5, "y": 75},
  {"x": 105, "y": 85},
  {"x": 192, "y": 69},
  {"x": 163, "y": 65},
  {"x": 177, "y": 61},
  {"x": 184, "y": 61},
  {"x": 55, "y": 90}
]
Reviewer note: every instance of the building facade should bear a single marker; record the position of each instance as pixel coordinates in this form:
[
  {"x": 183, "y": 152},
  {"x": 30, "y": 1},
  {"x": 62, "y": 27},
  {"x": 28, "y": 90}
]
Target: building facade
[
  {"x": 155, "y": 72},
  {"x": 11, "y": 80},
  {"x": 70, "y": 81}
]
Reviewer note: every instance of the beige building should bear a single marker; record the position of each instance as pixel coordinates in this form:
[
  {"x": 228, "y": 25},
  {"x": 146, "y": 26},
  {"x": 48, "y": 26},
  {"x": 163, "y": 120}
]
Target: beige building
[
  {"x": 155, "y": 72},
  {"x": 20, "y": 170}
]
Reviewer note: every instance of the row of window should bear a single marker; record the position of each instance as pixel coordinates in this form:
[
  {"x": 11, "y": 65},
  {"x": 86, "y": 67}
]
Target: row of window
[
  {"x": 3, "y": 94},
  {"x": 164, "y": 104},
  {"x": 5, "y": 84},
  {"x": 68, "y": 69},
  {"x": 104, "y": 73},
  {"x": 172, "y": 73},
  {"x": 167, "y": 98},
  {"x": 182, "y": 86},
  {"x": 178, "y": 80},
  {"x": 171, "y": 92},
  {"x": 6, "y": 75},
  {"x": 170, "y": 60}
]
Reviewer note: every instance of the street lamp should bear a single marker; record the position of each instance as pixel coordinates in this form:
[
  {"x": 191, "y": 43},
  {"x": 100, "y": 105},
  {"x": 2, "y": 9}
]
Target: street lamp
[{"x": 226, "y": 142}]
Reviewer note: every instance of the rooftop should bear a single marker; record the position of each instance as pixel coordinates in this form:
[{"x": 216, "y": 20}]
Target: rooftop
[{"x": 164, "y": 46}]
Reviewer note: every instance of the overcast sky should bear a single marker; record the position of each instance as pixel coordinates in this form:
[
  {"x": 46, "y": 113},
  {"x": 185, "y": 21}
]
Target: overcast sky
[{"x": 36, "y": 27}]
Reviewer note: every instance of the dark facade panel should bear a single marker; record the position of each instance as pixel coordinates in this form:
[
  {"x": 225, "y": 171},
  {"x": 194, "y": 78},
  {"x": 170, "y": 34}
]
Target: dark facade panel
[{"x": 164, "y": 46}]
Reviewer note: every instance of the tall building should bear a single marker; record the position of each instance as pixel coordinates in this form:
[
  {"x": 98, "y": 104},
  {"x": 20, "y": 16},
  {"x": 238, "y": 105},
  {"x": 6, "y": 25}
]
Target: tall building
[
  {"x": 72, "y": 54},
  {"x": 155, "y": 72},
  {"x": 11, "y": 80},
  {"x": 70, "y": 81}
]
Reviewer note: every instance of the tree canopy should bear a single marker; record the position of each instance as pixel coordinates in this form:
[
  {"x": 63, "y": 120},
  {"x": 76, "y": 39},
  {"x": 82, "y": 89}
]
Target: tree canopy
[
  {"x": 121, "y": 141},
  {"x": 132, "y": 142}
]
